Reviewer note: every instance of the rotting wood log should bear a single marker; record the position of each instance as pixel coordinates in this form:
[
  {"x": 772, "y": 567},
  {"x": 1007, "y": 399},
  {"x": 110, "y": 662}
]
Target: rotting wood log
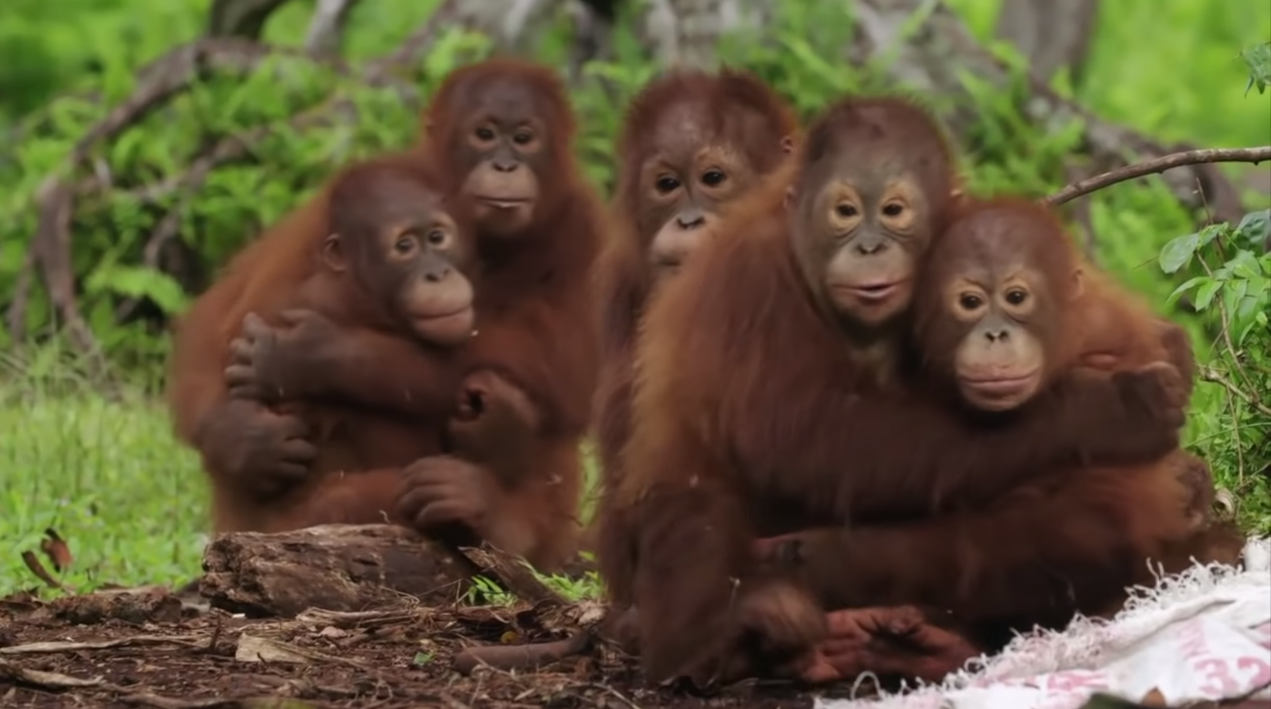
[
  {"x": 352, "y": 568},
  {"x": 333, "y": 567}
]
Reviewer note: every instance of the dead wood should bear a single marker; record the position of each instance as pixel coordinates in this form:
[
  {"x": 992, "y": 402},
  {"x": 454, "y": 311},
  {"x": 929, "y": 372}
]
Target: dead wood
[{"x": 333, "y": 567}]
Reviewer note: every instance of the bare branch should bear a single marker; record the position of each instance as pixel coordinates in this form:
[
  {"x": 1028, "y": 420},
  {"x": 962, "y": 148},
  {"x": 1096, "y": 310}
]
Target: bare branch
[{"x": 1161, "y": 164}]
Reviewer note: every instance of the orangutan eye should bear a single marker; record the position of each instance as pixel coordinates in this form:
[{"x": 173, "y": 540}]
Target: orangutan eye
[
  {"x": 847, "y": 210},
  {"x": 893, "y": 210},
  {"x": 713, "y": 178},
  {"x": 667, "y": 184},
  {"x": 484, "y": 133},
  {"x": 523, "y": 138},
  {"x": 1016, "y": 296},
  {"x": 970, "y": 301},
  {"x": 437, "y": 237},
  {"x": 405, "y": 244}
]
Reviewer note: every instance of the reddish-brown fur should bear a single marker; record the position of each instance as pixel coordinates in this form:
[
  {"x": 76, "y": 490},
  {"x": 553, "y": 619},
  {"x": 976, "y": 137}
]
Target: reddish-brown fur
[
  {"x": 753, "y": 416},
  {"x": 534, "y": 330},
  {"x": 1071, "y": 540},
  {"x": 536, "y": 293},
  {"x": 729, "y": 112},
  {"x": 534, "y": 305},
  {"x": 279, "y": 271}
]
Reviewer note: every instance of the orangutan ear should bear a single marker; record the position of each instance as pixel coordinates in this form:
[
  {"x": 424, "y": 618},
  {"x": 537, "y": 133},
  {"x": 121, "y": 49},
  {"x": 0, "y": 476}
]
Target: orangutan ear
[
  {"x": 332, "y": 254},
  {"x": 1078, "y": 283}
]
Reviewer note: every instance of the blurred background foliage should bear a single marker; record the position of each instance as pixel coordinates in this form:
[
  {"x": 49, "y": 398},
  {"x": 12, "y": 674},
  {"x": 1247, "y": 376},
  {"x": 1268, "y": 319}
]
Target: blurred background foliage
[{"x": 1175, "y": 71}]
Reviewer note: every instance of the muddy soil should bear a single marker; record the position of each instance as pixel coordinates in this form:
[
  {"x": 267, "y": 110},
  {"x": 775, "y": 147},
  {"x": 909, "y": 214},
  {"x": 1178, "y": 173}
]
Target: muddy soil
[{"x": 156, "y": 651}]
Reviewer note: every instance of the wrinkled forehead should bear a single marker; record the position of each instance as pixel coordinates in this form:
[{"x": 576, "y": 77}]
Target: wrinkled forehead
[
  {"x": 683, "y": 129},
  {"x": 502, "y": 99},
  {"x": 867, "y": 168},
  {"x": 997, "y": 244},
  {"x": 394, "y": 199}
]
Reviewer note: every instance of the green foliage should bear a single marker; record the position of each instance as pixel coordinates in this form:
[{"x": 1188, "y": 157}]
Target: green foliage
[
  {"x": 1258, "y": 57},
  {"x": 108, "y": 477},
  {"x": 1233, "y": 293}
]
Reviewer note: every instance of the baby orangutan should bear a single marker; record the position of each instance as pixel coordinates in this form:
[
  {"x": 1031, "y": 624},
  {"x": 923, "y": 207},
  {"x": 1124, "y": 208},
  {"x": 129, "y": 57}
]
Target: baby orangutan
[{"x": 1006, "y": 310}]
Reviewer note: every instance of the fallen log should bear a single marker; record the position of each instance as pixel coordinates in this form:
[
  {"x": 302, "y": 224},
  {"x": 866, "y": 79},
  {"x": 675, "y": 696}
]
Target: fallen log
[
  {"x": 333, "y": 567},
  {"x": 354, "y": 568}
]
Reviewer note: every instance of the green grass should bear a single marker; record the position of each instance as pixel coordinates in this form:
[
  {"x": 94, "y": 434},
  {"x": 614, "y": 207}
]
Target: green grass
[{"x": 110, "y": 478}]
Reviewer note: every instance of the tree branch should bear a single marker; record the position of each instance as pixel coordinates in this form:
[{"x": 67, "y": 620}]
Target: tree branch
[{"x": 1157, "y": 165}]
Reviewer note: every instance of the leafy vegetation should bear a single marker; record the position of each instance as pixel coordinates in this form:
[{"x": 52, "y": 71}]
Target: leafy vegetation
[{"x": 101, "y": 467}]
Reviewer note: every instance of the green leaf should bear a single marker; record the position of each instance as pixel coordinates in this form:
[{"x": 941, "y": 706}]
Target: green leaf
[
  {"x": 1205, "y": 294},
  {"x": 1254, "y": 228},
  {"x": 1258, "y": 59},
  {"x": 1190, "y": 284},
  {"x": 1244, "y": 265},
  {"x": 422, "y": 658},
  {"x": 139, "y": 282},
  {"x": 1178, "y": 252},
  {"x": 1211, "y": 232}
]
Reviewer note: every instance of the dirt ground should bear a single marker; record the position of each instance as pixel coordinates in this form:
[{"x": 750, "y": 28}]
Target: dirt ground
[{"x": 154, "y": 649}]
